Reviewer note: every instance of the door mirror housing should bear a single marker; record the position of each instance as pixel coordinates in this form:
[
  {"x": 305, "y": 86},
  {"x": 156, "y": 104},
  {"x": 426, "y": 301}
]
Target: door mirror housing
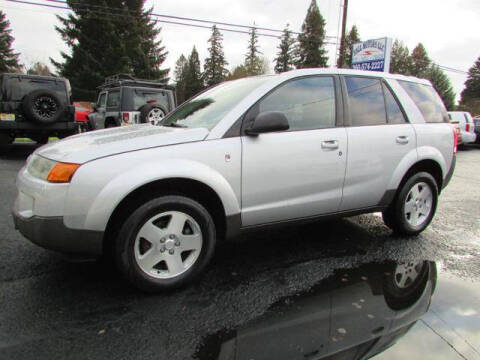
[{"x": 269, "y": 121}]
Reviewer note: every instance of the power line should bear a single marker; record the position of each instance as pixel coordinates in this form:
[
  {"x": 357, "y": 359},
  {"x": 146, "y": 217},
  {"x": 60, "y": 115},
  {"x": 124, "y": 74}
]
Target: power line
[
  {"x": 111, "y": 12},
  {"x": 193, "y": 19}
]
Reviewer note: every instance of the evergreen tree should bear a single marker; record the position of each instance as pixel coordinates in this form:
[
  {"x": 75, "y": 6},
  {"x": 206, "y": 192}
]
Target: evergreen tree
[
  {"x": 122, "y": 41},
  {"x": 193, "y": 78},
  {"x": 214, "y": 68},
  {"x": 421, "y": 62},
  {"x": 351, "y": 38},
  {"x": 253, "y": 64},
  {"x": 442, "y": 84},
  {"x": 284, "y": 60},
  {"x": 311, "y": 51},
  {"x": 401, "y": 61},
  {"x": 181, "y": 69},
  {"x": 8, "y": 59},
  {"x": 472, "y": 85}
]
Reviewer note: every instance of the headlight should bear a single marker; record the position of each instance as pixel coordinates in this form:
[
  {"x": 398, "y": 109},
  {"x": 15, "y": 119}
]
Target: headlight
[{"x": 52, "y": 171}]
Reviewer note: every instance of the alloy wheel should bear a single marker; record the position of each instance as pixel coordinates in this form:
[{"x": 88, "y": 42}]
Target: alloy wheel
[
  {"x": 418, "y": 204},
  {"x": 406, "y": 273},
  {"x": 168, "y": 244},
  {"x": 155, "y": 116}
]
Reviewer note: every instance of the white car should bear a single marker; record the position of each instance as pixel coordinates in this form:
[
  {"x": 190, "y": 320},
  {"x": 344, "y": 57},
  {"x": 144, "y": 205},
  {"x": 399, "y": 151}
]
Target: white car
[
  {"x": 261, "y": 151},
  {"x": 465, "y": 124}
]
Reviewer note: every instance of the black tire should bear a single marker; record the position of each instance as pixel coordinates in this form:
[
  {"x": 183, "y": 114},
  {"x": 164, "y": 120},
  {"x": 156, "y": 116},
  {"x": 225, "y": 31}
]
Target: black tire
[
  {"x": 146, "y": 109},
  {"x": 124, "y": 252},
  {"x": 43, "y": 106},
  {"x": 394, "y": 217},
  {"x": 110, "y": 124},
  {"x": 402, "y": 296}
]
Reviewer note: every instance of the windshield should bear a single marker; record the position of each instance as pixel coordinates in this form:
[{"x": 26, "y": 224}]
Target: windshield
[{"x": 208, "y": 108}]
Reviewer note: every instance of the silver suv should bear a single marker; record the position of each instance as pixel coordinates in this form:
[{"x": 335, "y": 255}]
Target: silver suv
[{"x": 260, "y": 151}]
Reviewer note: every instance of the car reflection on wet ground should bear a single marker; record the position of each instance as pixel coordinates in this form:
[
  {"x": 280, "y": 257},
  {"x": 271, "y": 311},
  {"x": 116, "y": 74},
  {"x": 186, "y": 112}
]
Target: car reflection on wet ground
[{"x": 333, "y": 290}]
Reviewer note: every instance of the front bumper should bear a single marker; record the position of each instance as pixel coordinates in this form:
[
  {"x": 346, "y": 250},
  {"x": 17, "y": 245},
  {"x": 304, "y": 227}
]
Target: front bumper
[{"x": 51, "y": 233}]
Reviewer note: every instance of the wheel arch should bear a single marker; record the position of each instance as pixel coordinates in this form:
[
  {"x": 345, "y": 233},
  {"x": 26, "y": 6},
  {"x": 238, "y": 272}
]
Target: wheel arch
[{"x": 193, "y": 189}]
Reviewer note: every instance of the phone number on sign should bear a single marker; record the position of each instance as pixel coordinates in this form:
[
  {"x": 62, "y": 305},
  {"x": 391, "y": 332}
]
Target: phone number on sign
[{"x": 373, "y": 66}]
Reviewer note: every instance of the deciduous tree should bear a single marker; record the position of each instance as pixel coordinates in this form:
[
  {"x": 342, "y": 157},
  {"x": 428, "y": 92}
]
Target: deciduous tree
[
  {"x": 470, "y": 96},
  {"x": 420, "y": 61},
  {"x": 401, "y": 62}
]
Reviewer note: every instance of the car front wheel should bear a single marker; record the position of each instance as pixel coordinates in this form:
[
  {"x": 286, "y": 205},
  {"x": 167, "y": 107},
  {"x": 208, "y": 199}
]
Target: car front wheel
[
  {"x": 165, "y": 243},
  {"x": 414, "y": 206}
]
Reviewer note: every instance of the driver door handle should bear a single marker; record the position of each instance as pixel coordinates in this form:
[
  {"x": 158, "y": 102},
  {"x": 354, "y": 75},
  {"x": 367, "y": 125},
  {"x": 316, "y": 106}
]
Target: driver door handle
[
  {"x": 330, "y": 144},
  {"x": 402, "y": 140}
]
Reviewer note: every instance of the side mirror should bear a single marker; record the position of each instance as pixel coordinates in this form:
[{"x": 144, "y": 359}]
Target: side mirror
[{"x": 269, "y": 121}]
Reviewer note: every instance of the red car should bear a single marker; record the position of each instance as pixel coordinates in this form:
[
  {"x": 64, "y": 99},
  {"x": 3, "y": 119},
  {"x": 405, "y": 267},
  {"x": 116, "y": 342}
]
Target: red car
[{"x": 81, "y": 112}]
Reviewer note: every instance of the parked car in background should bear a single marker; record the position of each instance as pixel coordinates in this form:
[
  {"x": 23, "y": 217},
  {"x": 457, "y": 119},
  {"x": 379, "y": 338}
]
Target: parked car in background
[
  {"x": 248, "y": 153},
  {"x": 36, "y": 107},
  {"x": 124, "y": 100},
  {"x": 465, "y": 124},
  {"x": 82, "y": 110},
  {"x": 476, "y": 121}
]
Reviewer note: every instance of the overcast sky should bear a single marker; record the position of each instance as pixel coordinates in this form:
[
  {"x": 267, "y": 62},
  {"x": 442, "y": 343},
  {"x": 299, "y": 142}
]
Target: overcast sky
[{"x": 449, "y": 29}]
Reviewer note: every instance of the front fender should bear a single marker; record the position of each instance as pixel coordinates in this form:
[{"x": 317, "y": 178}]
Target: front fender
[{"x": 120, "y": 186}]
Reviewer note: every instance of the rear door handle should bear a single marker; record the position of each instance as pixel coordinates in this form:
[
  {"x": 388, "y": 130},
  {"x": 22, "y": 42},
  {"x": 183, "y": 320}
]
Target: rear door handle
[
  {"x": 402, "y": 140},
  {"x": 330, "y": 144}
]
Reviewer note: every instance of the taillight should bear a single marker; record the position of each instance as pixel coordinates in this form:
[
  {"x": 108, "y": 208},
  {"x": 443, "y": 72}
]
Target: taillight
[
  {"x": 455, "y": 139},
  {"x": 467, "y": 127},
  {"x": 126, "y": 117}
]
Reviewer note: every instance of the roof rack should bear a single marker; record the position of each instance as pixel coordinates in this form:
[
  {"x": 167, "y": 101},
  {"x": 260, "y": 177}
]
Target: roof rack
[{"x": 127, "y": 79}]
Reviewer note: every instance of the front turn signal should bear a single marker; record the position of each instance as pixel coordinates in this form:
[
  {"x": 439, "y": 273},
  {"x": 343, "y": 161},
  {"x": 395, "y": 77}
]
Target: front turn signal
[{"x": 62, "y": 172}]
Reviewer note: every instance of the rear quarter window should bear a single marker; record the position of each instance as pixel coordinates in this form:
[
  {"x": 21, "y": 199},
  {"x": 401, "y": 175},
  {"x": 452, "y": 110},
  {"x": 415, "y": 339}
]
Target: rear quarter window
[{"x": 427, "y": 100}]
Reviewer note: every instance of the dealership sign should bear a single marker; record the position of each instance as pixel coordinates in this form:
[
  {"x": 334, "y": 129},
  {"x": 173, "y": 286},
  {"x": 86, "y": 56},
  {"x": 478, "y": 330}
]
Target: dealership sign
[{"x": 373, "y": 55}]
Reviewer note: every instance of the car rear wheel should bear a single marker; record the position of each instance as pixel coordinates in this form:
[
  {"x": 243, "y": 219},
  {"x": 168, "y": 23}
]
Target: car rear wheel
[
  {"x": 165, "y": 243},
  {"x": 151, "y": 113},
  {"x": 414, "y": 206}
]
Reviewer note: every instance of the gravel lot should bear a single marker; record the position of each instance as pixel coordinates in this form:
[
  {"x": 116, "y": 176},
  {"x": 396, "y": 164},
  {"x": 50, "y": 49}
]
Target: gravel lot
[{"x": 51, "y": 309}]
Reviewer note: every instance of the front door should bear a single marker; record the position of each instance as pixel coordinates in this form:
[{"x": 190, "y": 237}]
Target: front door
[{"x": 296, "y": 173}]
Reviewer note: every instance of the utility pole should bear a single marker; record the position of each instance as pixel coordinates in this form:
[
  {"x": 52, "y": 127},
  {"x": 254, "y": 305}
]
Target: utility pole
[{"x": 342, "y": 41}]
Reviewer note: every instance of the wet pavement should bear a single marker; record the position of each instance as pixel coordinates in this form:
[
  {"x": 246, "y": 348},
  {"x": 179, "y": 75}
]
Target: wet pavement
[{"x": 324, "y": 290}]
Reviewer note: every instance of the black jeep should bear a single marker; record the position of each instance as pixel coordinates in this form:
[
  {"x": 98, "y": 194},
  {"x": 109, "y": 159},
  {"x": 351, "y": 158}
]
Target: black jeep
[
  {"x": 36, "y": 107},
  {"x": 123, "y": 99}
]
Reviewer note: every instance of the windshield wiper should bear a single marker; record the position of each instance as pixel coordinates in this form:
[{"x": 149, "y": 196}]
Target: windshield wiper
[{"x": 176, "y": 125}]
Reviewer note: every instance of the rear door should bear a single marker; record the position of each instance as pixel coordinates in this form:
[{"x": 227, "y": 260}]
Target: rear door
[
  {"x": 379, "y": 137},
  {"x": 296, "y": 173}
]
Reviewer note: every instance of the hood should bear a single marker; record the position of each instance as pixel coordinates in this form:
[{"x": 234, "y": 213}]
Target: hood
[{"x": 96, "y": 144}]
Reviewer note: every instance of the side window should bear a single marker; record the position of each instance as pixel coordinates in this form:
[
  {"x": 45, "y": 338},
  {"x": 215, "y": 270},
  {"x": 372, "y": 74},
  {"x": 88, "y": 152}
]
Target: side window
[
  {"x": 427, "y": 100},
  {"x": 101, "y": 100},
  {"x": 308, "y": 103},
  {"x": 394, "y": 113},
  {"x": 113, "y": 99},
  {"x": 365, "y": 97}
]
